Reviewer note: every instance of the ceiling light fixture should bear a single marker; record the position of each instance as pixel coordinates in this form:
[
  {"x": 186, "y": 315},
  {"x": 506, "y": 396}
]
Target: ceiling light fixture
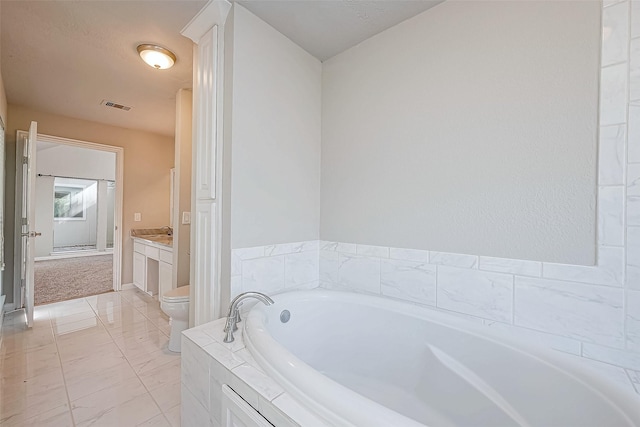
[{"x": 156, "y": 56}]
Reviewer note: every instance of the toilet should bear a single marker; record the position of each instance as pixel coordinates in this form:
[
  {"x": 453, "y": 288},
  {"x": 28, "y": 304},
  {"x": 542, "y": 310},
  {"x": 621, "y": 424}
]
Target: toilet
[{"x": 175, "y": 304}]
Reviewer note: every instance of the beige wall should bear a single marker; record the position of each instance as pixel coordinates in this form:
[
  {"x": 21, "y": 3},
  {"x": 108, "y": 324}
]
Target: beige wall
[
  {"x": 3, "y": 98},
  {"x": 148, "y": 159},
  {"x": 275, "y": 142},
  {"x": 470, "y": 128},
  {"x": 3, "y": 102},
  {"x": 182, "y": 198}
]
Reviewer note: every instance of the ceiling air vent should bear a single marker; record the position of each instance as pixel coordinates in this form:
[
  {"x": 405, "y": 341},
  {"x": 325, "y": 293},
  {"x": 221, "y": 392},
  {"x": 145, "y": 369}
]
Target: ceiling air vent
[{"x": 114, "y": 105}]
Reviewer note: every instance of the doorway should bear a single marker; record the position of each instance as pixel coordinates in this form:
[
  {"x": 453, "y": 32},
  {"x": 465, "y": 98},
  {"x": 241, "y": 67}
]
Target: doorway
[{"x": 78, "y": 203}]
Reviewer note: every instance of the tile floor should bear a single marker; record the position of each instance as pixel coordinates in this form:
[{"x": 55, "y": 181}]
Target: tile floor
[{"x": 95, "y": 361}]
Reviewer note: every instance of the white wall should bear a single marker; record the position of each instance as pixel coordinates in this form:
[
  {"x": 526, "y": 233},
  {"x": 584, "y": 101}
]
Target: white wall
[
  {"x": 470, "y": 128},
  {"x": 275, "y": 181},
  {"x": 64, "y": 160},
  {"x": 75, "y": 162},
  {"x": 82, "y": 231}
]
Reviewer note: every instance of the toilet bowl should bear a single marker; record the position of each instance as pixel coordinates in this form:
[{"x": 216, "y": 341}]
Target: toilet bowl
[{"x": 175, "y": 304}]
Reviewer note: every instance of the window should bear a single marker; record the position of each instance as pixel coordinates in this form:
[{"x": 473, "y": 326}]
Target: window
[{"x": 68, "y": 202}]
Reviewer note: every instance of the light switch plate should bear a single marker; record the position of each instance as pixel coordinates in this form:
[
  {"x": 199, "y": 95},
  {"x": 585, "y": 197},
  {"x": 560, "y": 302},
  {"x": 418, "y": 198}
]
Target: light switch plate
[
  {"x": 186, "y": 218},
  {"x": 137, "y": 216}
]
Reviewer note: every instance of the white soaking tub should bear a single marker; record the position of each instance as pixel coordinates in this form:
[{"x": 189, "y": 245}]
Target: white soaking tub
[{"x": 358, "y": 360}]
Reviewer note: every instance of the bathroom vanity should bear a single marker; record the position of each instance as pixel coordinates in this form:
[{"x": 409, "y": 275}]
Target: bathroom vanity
[{"x": 152, "y": 260}]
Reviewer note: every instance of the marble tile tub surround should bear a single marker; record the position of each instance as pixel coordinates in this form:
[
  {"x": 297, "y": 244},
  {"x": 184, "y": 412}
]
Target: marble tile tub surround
[
  {"x": 275, "y": 268},
  {"x": 208, "y": 363}
]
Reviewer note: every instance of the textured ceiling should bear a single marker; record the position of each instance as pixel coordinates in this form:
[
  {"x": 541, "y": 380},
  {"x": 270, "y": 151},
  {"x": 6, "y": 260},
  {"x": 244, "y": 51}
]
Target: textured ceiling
[{"x": 65, "y": 57}]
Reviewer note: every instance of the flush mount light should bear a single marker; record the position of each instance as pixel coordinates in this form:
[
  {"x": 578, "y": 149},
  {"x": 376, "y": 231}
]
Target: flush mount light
[{"x": 156, "y": 56}]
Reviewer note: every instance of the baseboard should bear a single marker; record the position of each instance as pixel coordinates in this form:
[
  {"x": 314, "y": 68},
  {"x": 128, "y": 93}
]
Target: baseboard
[
  {"x": 128, "y": 286},
  {"x": 70, "y": 254}
]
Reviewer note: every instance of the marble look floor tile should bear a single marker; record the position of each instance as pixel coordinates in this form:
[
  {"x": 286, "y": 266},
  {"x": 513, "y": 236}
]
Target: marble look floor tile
[
  {"x": 85, "y": 384},
  {"x": 107, "y": 300},
  {"x": 149, "y": 308},
  {"x": 149, "y": 361},
  {"x": 78, "y": 348},
  {"x": 110, "y": 356},
  {"x": 157, "y": 421},
  {"x": 173, "y": 416},
  {"x": 165, "y": 329},
  {"x": 130, "y": 413},
  {"x": 90, "y": 324},
  {"x": 26, "y": 341},
  {"x": 135, "y": 347},
  {"x": 168, "y": 373},
  {"x": 95, "y": 405},
  {"x": 89, "y": 347},
  {"x": 70, "y": 310},
  {"x": 26, "y": 387},
  {"x": 36, "y": 403},
  {"x": 15, "y": 324},
  {"x": 157, "y": 317},
  {"x": 56, "y": 321},
  {"x": 167, "y": 395},
  {"x": 56, "y": 417},
  {"x": 80, "y": 329},
  {"x": 143, "y": 329},
  {"x": 140, "y": 299},
  {"x": 30, "y": 363}
]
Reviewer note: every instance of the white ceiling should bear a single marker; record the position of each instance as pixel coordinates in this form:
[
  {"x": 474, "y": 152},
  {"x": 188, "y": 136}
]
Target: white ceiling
[
  {"x": 325, "y": 28},
  {"x": 65, "y": 57}
]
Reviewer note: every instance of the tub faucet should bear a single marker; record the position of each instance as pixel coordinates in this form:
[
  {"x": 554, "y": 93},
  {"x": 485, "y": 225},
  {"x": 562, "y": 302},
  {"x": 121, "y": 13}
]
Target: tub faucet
[{"x": 233, "y": 317}]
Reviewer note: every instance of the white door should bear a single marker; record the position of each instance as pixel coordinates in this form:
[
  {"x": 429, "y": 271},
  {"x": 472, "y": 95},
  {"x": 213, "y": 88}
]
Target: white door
[{"x": 28, "y": 220}]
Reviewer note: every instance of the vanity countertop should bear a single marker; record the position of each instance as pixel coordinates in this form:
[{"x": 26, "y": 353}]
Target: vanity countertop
[
  {"x": 161, "y": 239},
  {"x": 153, "y": 235}
]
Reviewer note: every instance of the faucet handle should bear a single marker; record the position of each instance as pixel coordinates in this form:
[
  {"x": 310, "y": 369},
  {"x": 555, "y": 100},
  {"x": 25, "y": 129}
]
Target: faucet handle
[
  {"x": 238, "y": 319},
  {"x": 230, "y": 325}
]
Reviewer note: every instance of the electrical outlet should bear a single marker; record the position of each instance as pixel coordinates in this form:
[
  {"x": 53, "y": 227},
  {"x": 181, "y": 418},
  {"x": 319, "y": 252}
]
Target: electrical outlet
[
  {"x": 186, "y": 218},
  {"x": 137, "y": 216}
]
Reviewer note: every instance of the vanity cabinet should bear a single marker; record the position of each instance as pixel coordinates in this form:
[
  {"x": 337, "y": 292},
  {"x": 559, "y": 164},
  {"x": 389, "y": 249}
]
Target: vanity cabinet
[
  {"x": 139, "y": 267},
  {"x": 152, "y": 266},
  {"x": 165, "y": 271}
]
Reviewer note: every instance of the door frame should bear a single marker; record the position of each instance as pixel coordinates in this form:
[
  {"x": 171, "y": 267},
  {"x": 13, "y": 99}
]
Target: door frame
[{"x": 119, "y": 200}]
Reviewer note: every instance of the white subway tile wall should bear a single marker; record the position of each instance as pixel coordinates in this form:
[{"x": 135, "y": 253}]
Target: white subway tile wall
[{"x": 591, "y": 312}]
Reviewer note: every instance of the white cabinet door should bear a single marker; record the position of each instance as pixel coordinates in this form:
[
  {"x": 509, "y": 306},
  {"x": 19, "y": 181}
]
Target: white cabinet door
[
  {"x": 238, "y": 413},
  {"x": 165, "y": 275},
  {"x": 139, "y": 270}
]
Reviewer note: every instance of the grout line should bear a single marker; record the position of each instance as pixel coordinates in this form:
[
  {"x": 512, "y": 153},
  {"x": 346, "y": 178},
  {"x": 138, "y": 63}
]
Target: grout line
[
  {"x": 64, "y": 377},
  {"x": 109, "y": 332}
]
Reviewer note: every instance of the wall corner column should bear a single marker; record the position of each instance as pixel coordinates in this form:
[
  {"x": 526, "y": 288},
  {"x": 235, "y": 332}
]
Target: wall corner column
[{"x": 209, "y": 294}]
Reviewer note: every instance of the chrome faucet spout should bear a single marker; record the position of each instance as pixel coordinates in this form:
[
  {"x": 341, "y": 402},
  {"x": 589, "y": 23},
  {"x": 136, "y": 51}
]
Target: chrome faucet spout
[{"x": 233, "y": 316}]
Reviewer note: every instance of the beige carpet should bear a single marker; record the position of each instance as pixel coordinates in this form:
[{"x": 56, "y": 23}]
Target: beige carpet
[{"x": 63, "y": 279}]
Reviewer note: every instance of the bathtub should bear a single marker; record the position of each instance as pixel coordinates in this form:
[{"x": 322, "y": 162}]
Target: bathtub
[{"x": 359, "y": 360}]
